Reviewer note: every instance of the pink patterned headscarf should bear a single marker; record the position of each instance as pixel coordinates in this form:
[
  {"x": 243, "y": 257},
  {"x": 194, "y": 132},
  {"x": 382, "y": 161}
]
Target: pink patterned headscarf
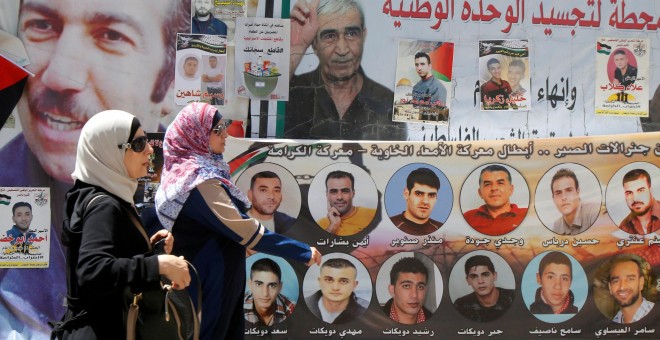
[{"x": 189, "y": 162}]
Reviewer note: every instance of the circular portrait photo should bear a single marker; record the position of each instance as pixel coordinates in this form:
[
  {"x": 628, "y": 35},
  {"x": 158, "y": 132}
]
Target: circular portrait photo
[
  {"x": 568, "y": 199},
  {"x": 631, "y": 198},
  {"x": 274, "y": 193},
  {"x": 482, "y": 286},
  {"x": 409, "y": 288},
  {"x": 554, "y": 286},
  {"x": 343, "y": 199},
  {"x": 622, "y": 67},
  {"x": 625, "y": 288},
  {"x": 418, "y": 199},
  {"x": 494, "y": 199},
  {"x": 188, "y": 67},
  {"x": 271, "y": 290},
  {"x": 339, "y": 290}
]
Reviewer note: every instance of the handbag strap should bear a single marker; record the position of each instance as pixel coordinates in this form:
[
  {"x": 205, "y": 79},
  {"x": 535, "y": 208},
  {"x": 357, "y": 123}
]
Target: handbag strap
[{"x": 132, "y": 316}]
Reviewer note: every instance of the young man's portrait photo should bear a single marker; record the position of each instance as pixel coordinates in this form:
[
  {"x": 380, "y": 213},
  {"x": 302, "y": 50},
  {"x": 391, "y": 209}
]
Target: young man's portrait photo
[{"x": 568, "y": 199}]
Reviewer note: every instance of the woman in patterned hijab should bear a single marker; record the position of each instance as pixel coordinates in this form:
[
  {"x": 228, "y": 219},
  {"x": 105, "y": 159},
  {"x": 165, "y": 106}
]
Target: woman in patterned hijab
[{"x": 207, "y": 214}]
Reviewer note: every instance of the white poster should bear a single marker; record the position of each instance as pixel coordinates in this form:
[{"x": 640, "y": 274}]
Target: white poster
[
  {"x": 201, "y": 62},
  {"x": 622, "y": 76},
  {"x": 262, "y": 58},
  {"x": 25, "y": 231}
]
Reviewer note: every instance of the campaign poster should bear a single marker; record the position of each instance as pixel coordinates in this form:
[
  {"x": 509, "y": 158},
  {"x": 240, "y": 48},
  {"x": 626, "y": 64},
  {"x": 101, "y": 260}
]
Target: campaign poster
[
  {"x": 622, "y": 77},
  {"x": 504, "y": 75},
  {"x": 25, "y": 227},
  {"x": 262, "y": 58},
  {"x": 217, "y": 17},
  {"x": 201, "y": 63},
  {"x": 423, "y": 82}
]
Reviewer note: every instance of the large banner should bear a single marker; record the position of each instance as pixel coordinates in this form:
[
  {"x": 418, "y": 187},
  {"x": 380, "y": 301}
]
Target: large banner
[
  {"x": 561, "y": 75},
  {"x": 532, "y": 238}
]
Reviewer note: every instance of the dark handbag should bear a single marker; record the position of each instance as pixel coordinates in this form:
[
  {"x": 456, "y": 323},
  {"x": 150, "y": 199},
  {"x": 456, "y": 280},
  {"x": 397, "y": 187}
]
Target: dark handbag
[{"x": 162, "y": 314}]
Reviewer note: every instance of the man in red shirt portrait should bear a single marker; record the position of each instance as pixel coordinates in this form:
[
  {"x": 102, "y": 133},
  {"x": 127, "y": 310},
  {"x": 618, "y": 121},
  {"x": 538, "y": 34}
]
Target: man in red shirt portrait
[{"x": 498, "y": 215}]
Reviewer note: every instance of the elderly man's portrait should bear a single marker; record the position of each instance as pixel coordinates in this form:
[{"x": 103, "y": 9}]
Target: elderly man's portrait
[
  {"x": 555, "y": 286},
  {"x": 87, "y": 57},
  {"x": 568, "y": 199},
  {"x": 482, "y": 286},
  {"x": 631, "y": 198},
  {"x": 418, "y": 199},
  {"x": 494, "y": 199},
  {"x": 274, "y": 194},
  {"x": 625, "y": 288},
  {"x": 409, "y": 288},
  {"x": 343, "y": 199},
  {"x": 338, "y": 291},
  {"x": 337, "y": 99},
  {"x": 271, "y": 290}
]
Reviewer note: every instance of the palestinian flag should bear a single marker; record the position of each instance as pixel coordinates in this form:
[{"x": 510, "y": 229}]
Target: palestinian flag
[
  {"x": 442, "y": 59},
  {"x": 604, "y": 49},
  {"x": 5, "y": 199},
  {"x": 12, "y": 76}
]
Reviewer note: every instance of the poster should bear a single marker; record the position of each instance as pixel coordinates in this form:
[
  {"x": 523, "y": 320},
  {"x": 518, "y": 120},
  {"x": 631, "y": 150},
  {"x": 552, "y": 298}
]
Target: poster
[
  {"x": 201, "y": 63},
  {"x": 262, "y": 58},
  {"x": 449, "y": 235},
  {"x": 423, "y": 82},
  {"x": 149, "y": 184},
  {"x": 218, "y": 17},
  {"x": 622, "y": 76},
  {"x": 24, "y": 241},
  {"x": 504, "y": 81}
]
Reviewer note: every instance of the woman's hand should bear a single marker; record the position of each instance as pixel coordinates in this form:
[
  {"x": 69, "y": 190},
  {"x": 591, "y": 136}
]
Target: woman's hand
[
  {"x": 164, "y": 234},
  {"x": 316, "y": 257},
  {"x": 175, "y": 269}
]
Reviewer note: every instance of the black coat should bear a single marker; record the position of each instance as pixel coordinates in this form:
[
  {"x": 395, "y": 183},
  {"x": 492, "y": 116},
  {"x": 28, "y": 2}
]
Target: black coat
[
  {"x": 540, "y": 307},
  {"x": 105, "y": 254}
]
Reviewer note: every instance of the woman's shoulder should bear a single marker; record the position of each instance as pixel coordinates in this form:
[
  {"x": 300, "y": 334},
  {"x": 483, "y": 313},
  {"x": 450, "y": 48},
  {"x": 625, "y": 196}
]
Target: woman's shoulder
[
  {"x": 211, "y": 186},
  {"x": 89, "y": 197}
]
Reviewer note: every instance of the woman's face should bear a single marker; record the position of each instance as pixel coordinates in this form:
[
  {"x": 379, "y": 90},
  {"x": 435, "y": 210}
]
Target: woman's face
[
  {"x": 137, "y": 163},
  {"x": 218, "y": 137}
]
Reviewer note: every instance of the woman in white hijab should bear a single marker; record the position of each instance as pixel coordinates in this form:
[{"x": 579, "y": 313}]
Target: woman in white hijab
[{"x": 107, "y": 248}]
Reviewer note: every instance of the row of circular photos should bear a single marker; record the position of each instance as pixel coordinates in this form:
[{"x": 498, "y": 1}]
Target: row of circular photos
[
  {"x": 566, "y": 196},
  {"x": 481, "y": 286}
]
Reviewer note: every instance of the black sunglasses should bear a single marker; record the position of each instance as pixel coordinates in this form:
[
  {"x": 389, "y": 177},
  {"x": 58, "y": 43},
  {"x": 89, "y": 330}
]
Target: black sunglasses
[
  {"x": 220, "y": 128},
  {"x": 137, "y": 144}
]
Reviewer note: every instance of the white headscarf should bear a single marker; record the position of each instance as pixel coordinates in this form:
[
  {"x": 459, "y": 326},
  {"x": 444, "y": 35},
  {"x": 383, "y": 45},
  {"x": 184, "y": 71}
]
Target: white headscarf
[{"x": 99, "y": 160}]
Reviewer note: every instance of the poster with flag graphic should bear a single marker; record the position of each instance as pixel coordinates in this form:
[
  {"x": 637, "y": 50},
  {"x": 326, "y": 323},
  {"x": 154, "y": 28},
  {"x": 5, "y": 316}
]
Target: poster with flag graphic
[
  {"x": 24, "y": 227},
  {"x": 622, "y": 76},
  {"x": 504, "y": 83},
  {"x": 423, "y": 82}
]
